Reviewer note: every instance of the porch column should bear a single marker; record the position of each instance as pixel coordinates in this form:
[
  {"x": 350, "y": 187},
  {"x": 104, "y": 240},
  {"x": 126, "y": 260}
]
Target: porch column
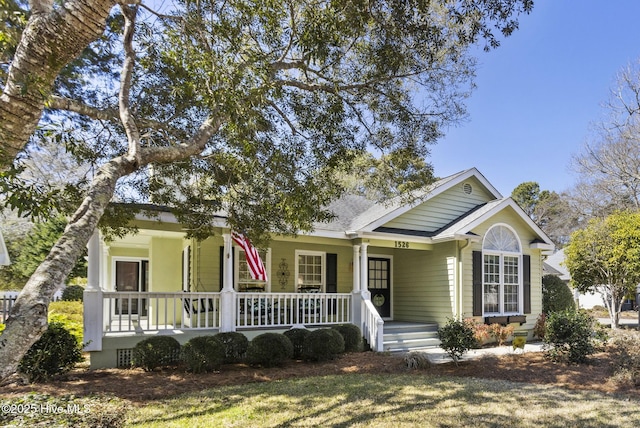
[
  {"x": 356, "y": 297},
  {"x": 93, "y": 314},
  {"x": 364, "y": 272},
  {"x": 228, "y": 294}
]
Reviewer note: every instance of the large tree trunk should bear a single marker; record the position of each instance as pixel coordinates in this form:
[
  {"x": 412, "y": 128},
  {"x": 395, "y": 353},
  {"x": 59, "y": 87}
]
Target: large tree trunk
[
  {"x": 52, "y": 38},
  {"x": 28, "y": 318}
]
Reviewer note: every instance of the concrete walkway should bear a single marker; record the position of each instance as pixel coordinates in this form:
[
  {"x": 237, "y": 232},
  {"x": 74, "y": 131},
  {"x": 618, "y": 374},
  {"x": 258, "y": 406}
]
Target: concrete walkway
[{"x": 438, "y": 355}]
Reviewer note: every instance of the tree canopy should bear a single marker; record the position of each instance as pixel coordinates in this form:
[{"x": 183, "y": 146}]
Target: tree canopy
[
  {"x": 604, "y": 257},
  {"x": 256, "y": 108}
]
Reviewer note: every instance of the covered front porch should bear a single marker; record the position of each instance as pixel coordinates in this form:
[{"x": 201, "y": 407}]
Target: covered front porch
[{"x": 119, "y": 318}]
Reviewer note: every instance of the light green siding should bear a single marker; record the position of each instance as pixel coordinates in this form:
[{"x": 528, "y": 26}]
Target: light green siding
[
  {"x": 443, "y": 208},
  {"x": 424, "y": 284}
]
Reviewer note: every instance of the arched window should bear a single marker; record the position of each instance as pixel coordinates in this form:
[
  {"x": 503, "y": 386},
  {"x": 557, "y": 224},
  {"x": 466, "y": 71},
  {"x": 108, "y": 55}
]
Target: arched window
[{"x": 502, "y": 276}]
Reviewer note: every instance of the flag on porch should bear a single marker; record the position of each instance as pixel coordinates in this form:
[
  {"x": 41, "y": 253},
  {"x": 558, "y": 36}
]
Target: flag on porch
[{"x": 256, "y": 267}]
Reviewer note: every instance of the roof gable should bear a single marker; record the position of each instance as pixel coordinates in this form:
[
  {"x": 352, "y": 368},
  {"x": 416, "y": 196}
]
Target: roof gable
[{"x": 442, "y": 202}]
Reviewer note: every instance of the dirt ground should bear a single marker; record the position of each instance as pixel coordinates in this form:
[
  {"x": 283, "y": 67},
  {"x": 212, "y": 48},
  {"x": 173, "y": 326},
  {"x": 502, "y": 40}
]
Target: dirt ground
[{"x": 531, "y": 367}]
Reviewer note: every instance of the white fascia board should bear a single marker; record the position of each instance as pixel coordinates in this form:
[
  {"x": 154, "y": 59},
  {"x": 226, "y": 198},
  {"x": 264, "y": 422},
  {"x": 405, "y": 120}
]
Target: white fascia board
[
  {"x": 473, "y": 172},
  {"x": 385, "y": 236}
]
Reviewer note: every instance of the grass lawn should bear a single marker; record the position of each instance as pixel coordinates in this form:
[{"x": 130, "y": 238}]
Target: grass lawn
[{"x": 388, "y": 401}]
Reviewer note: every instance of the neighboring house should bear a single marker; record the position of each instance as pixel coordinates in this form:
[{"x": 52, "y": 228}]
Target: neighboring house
[
  {"x": 554, "y": 265},
  {"x": 462, "y": 251}
]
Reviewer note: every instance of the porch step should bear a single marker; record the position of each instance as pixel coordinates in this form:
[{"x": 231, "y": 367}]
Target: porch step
[{"x": 409, "y": 336}]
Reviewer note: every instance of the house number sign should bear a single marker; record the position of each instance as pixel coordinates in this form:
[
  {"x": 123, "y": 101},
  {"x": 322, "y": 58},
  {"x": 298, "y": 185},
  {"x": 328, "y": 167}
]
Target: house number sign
[{"x": 402, "y": 244}]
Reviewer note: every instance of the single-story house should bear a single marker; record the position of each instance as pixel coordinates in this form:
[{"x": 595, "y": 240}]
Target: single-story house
[{"x": 461, "y": 251}]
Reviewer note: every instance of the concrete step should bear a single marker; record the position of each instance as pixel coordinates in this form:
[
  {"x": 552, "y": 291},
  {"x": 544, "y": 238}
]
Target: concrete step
[{"x": 407, "y": 336}]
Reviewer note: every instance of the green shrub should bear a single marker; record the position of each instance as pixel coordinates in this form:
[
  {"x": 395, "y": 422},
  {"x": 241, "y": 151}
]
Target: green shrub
[
  {"x": 297, "y": 337},
  {"x": 1, "y": 327},
  {"x": 154, "y": 352},
  {"x": 322, "y": 345},
  {"x": 456, "y": 338},
  {"x": 269, "y": 350},
  {"x": 203, "y": 354},
  {"x": 73, "y": 293},
  {"x": 352, "y": 337},
  {"x": 69, "y": 314},
  {"x": 556, "y": 295},
  {"x": 56, "y": 352},
  {"x": 571, "y": 335},
  {"x": 235, "y": 346}
]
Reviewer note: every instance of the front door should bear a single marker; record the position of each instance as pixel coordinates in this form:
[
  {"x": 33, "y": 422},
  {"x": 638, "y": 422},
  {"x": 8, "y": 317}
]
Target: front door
[
  {"x": 379, "y": 284},
  {"x": 131, "y": 276}
]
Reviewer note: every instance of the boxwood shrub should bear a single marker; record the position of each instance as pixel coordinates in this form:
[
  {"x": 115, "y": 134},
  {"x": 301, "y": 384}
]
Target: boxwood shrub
[
  {"x": 352, "y": 337},
  {"x": 73, "y": 293},
  {"x": 235, "y": 346},
  {"x": 56, "y": 352},
  {"x": 269, "y": 350},
  {"x": 203, "y": 354},
  {"x": 154, "y": 352},
  {"x": 322, "y": 345},
  {"x": 297, "y": 337}
]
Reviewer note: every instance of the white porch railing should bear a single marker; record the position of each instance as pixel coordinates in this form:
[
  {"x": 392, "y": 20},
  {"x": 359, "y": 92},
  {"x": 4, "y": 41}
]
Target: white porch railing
[
  {"x": 372, "y": 326},
  {"x": 288, "y": 309},
  {"x": 149, "y": 311}
]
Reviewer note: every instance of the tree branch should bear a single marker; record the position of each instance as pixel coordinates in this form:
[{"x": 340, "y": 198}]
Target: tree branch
[{"x": 133, "y": 136}]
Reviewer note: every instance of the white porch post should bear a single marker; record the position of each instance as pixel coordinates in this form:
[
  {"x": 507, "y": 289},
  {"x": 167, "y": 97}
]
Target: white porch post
[
  {"x": 93, "y": 315},
  {"x": 364, "y": 273},
  {"x": 228, "y": 294},
  {"x": 356, "y": 297}
]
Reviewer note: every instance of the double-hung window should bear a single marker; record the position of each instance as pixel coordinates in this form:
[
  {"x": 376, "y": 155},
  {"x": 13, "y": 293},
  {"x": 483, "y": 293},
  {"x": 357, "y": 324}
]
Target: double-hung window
[
  {"x": 502, "y": 272},
  {"x": 310, "y": 268}
]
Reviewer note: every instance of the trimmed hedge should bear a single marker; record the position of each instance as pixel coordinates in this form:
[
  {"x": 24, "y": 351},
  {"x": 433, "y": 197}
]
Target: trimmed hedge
[
  {"x": 322, "y": 345},
  {"x": 269, "y": 350},
  {"x": 352, "y": 337},
  {"x": 73, "y": 293},
  {"x": 203, "y": 354},
  {"x": 56, "y": 352},
  {"x": 235, "y": 346},
  {"x": 297, "y": 337},
  {"x": 154, "y": 352}
]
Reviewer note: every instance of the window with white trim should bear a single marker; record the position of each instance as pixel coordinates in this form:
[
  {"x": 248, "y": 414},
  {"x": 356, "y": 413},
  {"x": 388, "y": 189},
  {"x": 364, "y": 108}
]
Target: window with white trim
[
  {"x": 310, "y": 268},
  {"x": 243, "y": 276},
  {"x": 502, "y": 277}
]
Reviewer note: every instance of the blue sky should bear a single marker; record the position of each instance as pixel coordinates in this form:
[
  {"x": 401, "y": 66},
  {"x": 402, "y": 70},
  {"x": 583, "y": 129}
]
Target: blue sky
[{"x": 539, "y": 92}]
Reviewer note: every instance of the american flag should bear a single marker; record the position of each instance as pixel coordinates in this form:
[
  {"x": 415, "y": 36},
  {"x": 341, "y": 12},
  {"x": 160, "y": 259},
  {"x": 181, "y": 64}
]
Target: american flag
[{"x": 256, "y": 267}]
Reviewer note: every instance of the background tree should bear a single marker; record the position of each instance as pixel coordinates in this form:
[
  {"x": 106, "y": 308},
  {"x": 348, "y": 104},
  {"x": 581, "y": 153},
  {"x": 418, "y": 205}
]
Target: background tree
[
  {"x": 550, "y": 210},
  {"x": 251, "y": 107},
  {"x": 604, "y": 257},
  {"x": 609, "y": 165}
]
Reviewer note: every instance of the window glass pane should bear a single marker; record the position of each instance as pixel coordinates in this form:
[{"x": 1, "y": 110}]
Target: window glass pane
[
  {"x": 500, "y": 238},
  {"x": 491, "y": 298},
  {"x": 310, "y": 270}
]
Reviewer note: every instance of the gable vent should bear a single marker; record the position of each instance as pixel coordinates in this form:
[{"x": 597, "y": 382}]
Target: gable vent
[{"x": 466, "y": 188}]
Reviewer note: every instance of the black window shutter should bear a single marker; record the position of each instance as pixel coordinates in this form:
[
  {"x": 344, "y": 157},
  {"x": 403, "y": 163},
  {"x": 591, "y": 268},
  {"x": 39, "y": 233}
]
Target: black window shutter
[
  {"x": 526, "y": 283},
  {"x": 477, "y": 283},
  {"x": 332, "y": 273}
]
